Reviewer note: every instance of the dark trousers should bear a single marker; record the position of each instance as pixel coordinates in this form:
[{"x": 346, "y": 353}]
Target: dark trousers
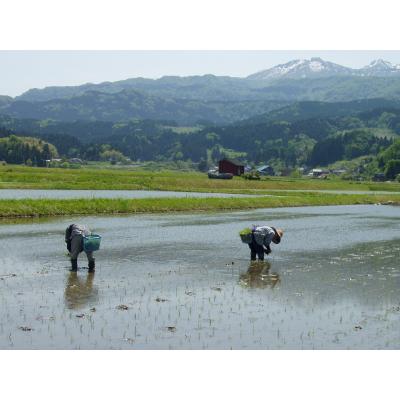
[
  {"x": 77, "y": 247},
  {"x": 256, "y": 250}
]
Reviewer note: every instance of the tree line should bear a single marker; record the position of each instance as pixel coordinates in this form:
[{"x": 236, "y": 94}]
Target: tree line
[
  {"x": 26, "y": 150},
  {"x": 286, "y": 144}
]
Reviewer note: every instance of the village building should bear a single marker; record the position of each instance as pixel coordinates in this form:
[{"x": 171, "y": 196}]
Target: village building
[
  {"x": 317, "y": 172},
  {"x": 339, "y": 171},
  {"x": 75, "y": 161},
  {"x": 266, "y": 170},
  {"x": 230, "y": 166}
]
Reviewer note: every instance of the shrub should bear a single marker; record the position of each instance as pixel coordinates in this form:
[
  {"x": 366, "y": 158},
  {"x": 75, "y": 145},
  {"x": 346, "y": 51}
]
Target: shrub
[
  {"x": 252, "y": 176},
  {"x": 392, "y": 169}
]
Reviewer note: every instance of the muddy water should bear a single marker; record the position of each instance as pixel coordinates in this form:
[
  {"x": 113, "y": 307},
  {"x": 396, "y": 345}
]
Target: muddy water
[{"x": 185, "y": 282}]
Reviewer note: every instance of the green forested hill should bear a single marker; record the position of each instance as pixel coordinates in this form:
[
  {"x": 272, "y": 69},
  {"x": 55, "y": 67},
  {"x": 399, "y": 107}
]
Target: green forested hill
[
  {"x": 303, "y": 110},
  {"x": 130, "y": 104},
  {"x": 328, "y": 133},
  {"x": 188, "y": 100},
  {"x": 204, "y": 88},
  {"x": 26, "y": 150},
  {"x": 225, "y": 88},
  {"x": 333, "y": 89},
  {"x": 309, "y": 141},
  {"x": 389, "y": 160}
]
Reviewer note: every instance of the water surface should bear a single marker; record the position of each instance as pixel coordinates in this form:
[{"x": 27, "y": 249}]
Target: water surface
[
  {"x": 184, "y": 281},
  {"x": 104, "y": 194}
]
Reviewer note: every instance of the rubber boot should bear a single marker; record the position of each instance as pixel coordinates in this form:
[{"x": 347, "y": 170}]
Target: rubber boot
[
  {"x": 91, "y": 266},
  {"x": 74, "y": 265}
]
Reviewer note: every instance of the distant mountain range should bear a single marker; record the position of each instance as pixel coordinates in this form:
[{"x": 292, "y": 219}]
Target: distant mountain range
[
  {"x": 303, "y": 110},
  {"x": 208, "y": 99},
  {"x": 132, "y": 104},
  {"x": 216, "y": 88},
  {"x": 317, "y": 68}
]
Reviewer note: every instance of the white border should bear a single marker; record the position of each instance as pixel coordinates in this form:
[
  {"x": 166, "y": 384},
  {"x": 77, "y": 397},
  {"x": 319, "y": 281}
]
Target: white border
[
  {"x": 199, "y": 25},
  {"x": 211, "y": 25},
  {"x": 197, "y": 375}
]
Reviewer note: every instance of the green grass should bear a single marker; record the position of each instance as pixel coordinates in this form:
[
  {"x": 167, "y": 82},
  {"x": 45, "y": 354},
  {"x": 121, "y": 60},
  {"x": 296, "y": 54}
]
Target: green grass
[
  {"x": 21, "y": 177},
  {"x": 42, "y": 207},
  {"x": 86, "y": 178}
]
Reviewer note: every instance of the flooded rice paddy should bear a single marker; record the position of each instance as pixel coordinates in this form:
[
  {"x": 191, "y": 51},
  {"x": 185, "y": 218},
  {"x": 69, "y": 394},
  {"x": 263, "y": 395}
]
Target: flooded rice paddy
[{"x": 185, "y": 282}]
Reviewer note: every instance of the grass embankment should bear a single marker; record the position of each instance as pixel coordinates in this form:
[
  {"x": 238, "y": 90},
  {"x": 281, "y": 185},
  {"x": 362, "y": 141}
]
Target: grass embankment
[
  {"x": 21, "y": 177},
  {"x": 38, "y": 208}
]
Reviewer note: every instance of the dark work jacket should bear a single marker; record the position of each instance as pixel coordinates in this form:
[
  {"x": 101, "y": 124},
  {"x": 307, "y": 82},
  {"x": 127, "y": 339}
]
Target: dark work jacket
[{"x": 75, "y": 230}]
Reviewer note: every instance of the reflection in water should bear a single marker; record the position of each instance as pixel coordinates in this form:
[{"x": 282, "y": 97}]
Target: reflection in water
[
  {"x": 336, "y": 291},
  {"x": 258, "y": 276},
  {"x": 80, "y": 291}
]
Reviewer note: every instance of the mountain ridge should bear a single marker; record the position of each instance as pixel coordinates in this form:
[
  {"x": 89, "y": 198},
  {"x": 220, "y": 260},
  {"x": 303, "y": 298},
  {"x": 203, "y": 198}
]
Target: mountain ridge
[
  {"x": 208, "y": 99},
  {"x": 184, "y": 86},
  {"x": 317, "y": 67}
]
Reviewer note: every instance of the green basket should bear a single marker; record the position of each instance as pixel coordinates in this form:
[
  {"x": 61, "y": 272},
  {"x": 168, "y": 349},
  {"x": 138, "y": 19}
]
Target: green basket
[
  {"x": 246, "y": 235},
  {"x": 91, "y": 243}
]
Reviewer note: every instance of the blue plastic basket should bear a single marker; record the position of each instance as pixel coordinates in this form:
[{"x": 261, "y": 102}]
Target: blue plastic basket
[{"x": 91, "y": 243}]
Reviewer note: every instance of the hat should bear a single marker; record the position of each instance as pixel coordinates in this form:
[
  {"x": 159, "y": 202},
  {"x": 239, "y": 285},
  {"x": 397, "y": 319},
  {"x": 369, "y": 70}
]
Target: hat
[{"x": 279, "y": 233}]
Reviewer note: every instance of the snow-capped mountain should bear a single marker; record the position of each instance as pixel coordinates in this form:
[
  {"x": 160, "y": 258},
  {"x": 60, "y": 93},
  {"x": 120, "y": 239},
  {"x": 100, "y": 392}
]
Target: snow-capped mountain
[
  {"x": 318, "y": 68},
  {"x": 315, "y": 67},
  {"x": 380, "y": 68}
]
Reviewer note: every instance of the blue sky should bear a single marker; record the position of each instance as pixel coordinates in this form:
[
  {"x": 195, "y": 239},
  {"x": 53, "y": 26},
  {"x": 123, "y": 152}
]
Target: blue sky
[{"x": 22, "y": 70}]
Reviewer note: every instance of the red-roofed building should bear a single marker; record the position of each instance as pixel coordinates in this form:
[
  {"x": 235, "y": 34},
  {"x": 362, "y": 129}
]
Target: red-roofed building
[{"x": 230, "y": 166}]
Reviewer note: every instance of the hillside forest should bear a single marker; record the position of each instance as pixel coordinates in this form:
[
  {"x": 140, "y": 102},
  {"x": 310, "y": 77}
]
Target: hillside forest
[{"x": 191, "y": 123}]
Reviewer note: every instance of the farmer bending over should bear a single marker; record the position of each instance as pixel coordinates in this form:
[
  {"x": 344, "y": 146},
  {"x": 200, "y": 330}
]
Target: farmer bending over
[
  {"x": 261, "y": 238},
  {"x": 74, "y": 239}
]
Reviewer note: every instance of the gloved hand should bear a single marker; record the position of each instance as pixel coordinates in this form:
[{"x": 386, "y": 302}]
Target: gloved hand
[{"x": 267, "y": 250}]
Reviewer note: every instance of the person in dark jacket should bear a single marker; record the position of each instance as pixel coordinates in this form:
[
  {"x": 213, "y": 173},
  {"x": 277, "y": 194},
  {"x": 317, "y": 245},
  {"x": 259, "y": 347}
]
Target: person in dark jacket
[
  {"x": 262, "y": 237},
  {"x": 74, "y": 239}
]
